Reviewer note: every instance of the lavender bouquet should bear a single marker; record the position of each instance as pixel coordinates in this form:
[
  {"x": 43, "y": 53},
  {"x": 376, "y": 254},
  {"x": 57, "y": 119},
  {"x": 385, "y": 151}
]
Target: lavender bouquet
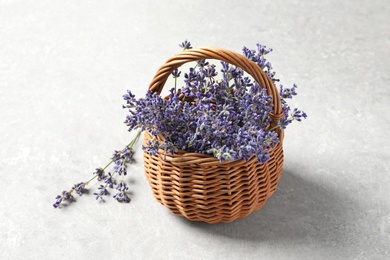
[{"x": 227, "y": 117}]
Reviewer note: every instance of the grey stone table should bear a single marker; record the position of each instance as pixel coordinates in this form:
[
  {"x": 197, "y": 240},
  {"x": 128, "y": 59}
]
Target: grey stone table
[{"x": 64, "y": 66}]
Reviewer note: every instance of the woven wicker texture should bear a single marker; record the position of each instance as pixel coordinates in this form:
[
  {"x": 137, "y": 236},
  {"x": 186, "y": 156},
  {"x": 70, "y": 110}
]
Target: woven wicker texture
[{"x": 200, "y": 187}]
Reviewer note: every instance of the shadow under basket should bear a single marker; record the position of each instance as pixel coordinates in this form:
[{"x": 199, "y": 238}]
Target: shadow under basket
[{"x": 200, "y": 187}]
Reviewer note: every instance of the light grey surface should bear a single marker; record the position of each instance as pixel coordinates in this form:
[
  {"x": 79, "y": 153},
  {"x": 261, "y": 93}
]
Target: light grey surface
[{"x": 64, "y": 66}]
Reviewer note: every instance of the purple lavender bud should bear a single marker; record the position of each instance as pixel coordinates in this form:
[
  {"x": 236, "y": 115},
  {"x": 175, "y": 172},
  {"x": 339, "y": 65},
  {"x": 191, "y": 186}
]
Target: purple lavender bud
[
  {"x": 66, "y": 195},
  {"x": 128, "y": 95},
  {"x": 120, "y": 167},
  {"x": 262, "y": 155},
  {"x": 250, "y": 54},
  {"x": 102, "y": 192},
  {"x": 298, "y": 114},
  {"x": 116, "y": 155},
  {"x": 286, "y": 93},
  {"x": 127, "y": 153},
  {"x": 152, "y": 147},
  {"x": 209, "y": 71},
  {"x": 176, "y": 73},
  {"x": 284, "y": 122},
  {"x": 202, "y": 63},
  {"x": 109, "y": 181},
  {"x": 121, "y": 196},
  {"x": 185, "y": 45},
  {"x": 58, "y": 201},
  {"x": 100, "y": 173},
  {"x": 271, "y": 139},
  {"x": 79, "y": 188}
]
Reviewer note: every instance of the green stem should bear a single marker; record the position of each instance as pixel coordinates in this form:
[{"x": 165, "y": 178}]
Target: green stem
[
  {"x": 135, "y": 139},
  {"x": 273, "y": 128},
  {"x": 130, "y": 146}
]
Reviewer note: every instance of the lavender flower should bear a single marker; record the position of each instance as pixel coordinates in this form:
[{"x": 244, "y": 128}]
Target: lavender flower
[
  {"x": 185, "y": 45},
  {"x": 109, "y": 181},
  {"x": 284, "y": 122},
  {"x": 120, "y": 167},
  {"x": 152, "y": 147},
  {"x": 287, "y": 92},
  {"x": 258, "y": 57},
  {"x": 202, "y": 63},
  {"x": 176, "y": 73},
  {"x": 121, "y": 158},
  {"x": 121, "y": 196},
  {"x": 207, "y": 71},
  {"x": 79, "y": 188},
  {"x": 103, "y": 192},
  {"x": 99, "y": 173},
  {"x": 298, "y": 114},
  {"x": 127, "y": 153},
  {"x": 65, "y": 196}
]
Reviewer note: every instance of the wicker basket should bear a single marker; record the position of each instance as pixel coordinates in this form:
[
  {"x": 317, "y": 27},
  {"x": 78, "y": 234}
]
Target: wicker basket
[{"x": 200, "y": 187}]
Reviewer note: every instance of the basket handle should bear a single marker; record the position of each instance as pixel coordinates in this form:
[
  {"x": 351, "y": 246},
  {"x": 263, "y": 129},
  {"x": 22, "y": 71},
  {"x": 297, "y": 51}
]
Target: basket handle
[{"x": 231, "y": 57}]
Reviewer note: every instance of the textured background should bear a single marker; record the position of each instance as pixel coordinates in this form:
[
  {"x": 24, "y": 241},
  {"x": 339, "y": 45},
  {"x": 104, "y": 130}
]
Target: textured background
[{"x": 64, "y": 66}]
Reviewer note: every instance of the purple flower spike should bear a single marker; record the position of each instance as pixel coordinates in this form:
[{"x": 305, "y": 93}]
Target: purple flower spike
[
  {"x": 109, "y": 181},
  {"x": 58, "y": 201},
  {"x": 65, "y": 196},
  {"x": 121, "y": 196},
  {"x": 185, "y": 45},
  {"x": 79, "y": 188},
  {"x": 100, "y": 173},
  {"x": 102, "y": 192},
  {"x": 176, "y": 73}
]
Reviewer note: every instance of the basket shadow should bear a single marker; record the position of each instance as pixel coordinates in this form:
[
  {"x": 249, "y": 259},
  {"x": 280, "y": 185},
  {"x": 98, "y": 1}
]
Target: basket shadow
[{"x": 300, "y": 209}]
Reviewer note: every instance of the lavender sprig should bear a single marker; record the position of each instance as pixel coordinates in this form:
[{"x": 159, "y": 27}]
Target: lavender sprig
[{"x": 122, "y": 158}]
